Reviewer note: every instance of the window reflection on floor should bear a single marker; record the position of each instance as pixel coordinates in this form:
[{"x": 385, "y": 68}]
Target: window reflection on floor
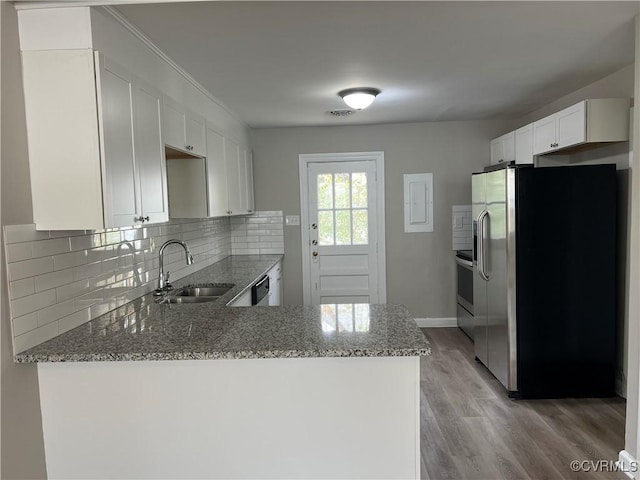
[{"x": 345, "y": 317}]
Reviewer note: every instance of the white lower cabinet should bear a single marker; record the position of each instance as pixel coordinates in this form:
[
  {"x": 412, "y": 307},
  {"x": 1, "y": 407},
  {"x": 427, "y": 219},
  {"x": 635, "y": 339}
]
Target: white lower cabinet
[
  {"x": 243, "y": 300},
  {"x": 229, "y": 176},
  {"x": 275, "y": 285},
  {"x": 95, "y": 149}
]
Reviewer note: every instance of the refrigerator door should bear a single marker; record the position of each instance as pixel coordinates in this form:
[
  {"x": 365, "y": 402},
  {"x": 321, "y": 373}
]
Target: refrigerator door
[
  {"x": 496, "y": 267},
  {"x": 478, "y": 210}
]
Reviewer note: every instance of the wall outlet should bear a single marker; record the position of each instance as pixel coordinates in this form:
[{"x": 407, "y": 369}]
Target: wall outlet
[{"x": 292, "y": 220}]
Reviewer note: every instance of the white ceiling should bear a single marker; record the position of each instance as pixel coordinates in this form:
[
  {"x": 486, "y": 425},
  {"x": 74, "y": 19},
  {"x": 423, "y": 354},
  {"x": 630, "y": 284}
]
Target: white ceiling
[{"x": 282, "y": 63}]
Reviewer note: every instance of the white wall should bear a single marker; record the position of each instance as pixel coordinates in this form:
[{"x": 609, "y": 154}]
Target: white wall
[
  {"x": 420, "y": 266},
  {"x": 633, "y": 398},
  {"x": 22, "y": 443}
]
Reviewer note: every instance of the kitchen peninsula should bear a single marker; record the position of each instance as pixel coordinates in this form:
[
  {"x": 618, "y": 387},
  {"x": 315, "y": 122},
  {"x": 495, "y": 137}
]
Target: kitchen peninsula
[{"x": 209, "y": 391}]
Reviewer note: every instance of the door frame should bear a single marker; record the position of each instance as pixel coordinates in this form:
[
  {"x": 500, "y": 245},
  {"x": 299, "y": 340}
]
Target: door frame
[{"x": 304, "y": 160}]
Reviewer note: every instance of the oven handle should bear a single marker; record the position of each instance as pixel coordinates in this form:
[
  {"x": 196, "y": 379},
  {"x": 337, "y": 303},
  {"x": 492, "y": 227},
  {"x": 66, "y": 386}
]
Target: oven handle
[{"x": 464, "y": 263}]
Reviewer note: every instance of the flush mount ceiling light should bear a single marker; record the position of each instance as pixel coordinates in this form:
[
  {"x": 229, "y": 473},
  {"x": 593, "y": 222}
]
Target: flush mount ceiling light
[{"x": 359, "y": 98}]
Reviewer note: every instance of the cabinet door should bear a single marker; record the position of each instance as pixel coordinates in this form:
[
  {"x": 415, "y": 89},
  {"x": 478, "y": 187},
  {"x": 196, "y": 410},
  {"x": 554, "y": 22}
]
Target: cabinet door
[
  {"x": 195, "y": 135},
  {"x": 118, "y": 157},
  {"x": 571, "y": 125},
  {"x": 174, "y": 124},
  {"x": 544, "y": 135},
  {"x": 246, "y": 179},
  {"x": 496, "y": 151},
  {"x": 509, "y": 147},
  {"x": 524, "y": 144},
  {"x": 217, "y": 175},
  {"x": 234, "y": 187},
  {"x": 275, "y": 285},
  {"x": 243, "y": 300},
  {"x": 149, "y": 154}
]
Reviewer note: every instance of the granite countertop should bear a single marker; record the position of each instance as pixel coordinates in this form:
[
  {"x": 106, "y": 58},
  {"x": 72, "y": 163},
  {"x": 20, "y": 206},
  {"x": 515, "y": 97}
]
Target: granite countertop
[{"x": 145, "y": 330}]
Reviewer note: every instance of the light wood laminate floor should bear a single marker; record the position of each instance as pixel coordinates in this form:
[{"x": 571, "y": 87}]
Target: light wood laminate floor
[{"x": 471, "y": 430}]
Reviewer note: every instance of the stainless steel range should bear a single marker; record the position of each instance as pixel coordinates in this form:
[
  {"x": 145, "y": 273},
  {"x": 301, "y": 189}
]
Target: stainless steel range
[{"x": 464, "y": 268}]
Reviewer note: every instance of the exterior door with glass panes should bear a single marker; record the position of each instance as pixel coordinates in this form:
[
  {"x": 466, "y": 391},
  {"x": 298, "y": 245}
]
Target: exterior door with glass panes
[{"x": 342, "y": 232}]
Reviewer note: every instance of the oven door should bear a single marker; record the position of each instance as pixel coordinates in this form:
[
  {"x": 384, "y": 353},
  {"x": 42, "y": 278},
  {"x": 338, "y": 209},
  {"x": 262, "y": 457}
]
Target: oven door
[
  {"x": 465, "y": 283},
  {"x": 464, "y": 295}
]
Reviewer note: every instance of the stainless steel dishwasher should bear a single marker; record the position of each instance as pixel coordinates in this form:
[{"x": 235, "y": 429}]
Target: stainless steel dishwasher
[{"x": 260, "y": 292}]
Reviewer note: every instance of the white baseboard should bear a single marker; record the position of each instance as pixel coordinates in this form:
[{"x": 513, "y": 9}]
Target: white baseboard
[
  {"x": 628, "y": 464},
  {"x": 436, "y": 322}
]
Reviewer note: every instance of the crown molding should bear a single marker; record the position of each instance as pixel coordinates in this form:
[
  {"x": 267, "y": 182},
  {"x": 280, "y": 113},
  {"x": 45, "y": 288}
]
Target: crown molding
[{"x": 108, "y": 8}]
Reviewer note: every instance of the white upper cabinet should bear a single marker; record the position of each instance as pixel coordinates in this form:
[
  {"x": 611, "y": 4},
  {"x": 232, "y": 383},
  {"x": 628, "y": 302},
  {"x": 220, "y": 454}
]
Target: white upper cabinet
[
  {"x": 183, "y": 130},
  {"x": 524, "y": 144},
  {"x": 503, "y": 149},
  {"x": 149, "y": 153},
  {"x": 246, "y": 176},
  {"x": 601, "y": 120},
  {"x": 234, "y": 184},
  {"x": 229, "y": 176},
  {"x": 94, "y": 143},
  {"x": 217, "y": 175}
]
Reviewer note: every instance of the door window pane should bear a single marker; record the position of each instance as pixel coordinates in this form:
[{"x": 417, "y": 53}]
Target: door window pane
[
  {"x": 325, "y": 191},
  {"x": 343, "y": 227},
  {"x": 342, "y": 195},
  {"x": 358, "y": 190},
  {"x": 345, "y": 317},
  {"x": 325, "y": 227},
  {"x": 360, "y": 227},
  {"x": 361, "y": 317}
]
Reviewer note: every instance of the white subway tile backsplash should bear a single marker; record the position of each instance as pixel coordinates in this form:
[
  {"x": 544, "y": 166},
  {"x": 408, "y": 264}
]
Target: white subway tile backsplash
[
  {"x": 53, "y": 279},
  {"x": 461, "y": 224},
  {"x": 57, "y": 311},
  {"x": 23, "y": 233},
  {"x": 32, "y": 303},
  {"x": 262, "y": 233},
  {"x": 21, "y": 288},
  {"x": 19, "y": 251},
  {"x": 75, "y": 320},
  {"x": 29, "y": 268},
  {"x": 25, "y": 323},
  {"x": 35, "y": 337},
  {"x": 53, "y": 246},
  {"x": 87, "y": 271},
  {"x": 59, "y": 280},
  {"x": 72, "y": 290},
  {"x": 69, "y": 260}
]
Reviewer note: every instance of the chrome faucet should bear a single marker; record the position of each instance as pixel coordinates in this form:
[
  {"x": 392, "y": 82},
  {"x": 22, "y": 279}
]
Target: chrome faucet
[{"x": 163, "y": 278}]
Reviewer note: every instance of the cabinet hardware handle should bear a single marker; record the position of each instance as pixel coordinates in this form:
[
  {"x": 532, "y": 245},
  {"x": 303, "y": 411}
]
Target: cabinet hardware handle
[
  {"x": 229, "y": 212},
  {"x": 315, "y": 242},
  {"x": 142, "y": 219},
  {"x": 314, "y": 226}
]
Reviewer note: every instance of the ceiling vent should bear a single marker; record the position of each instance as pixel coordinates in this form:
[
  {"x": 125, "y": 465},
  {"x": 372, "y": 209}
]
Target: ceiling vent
[{"x": 341, "y": 113}]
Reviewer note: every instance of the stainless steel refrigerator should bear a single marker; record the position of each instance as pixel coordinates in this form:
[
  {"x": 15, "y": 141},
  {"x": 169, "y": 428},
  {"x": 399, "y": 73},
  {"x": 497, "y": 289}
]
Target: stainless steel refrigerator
[{"x": 544, "y": 279}]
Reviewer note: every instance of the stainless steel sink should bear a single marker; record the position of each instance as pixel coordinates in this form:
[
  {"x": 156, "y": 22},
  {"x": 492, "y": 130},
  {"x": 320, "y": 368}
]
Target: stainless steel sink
[
  {"x": 180, "y": 299},
  {"x": 212, "y": 291},
  {"x": 200, "y": 293}
]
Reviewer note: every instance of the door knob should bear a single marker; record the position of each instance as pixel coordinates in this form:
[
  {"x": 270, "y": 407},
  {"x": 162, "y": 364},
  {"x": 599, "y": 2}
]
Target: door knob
[{"x": 315, "y": 254}]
